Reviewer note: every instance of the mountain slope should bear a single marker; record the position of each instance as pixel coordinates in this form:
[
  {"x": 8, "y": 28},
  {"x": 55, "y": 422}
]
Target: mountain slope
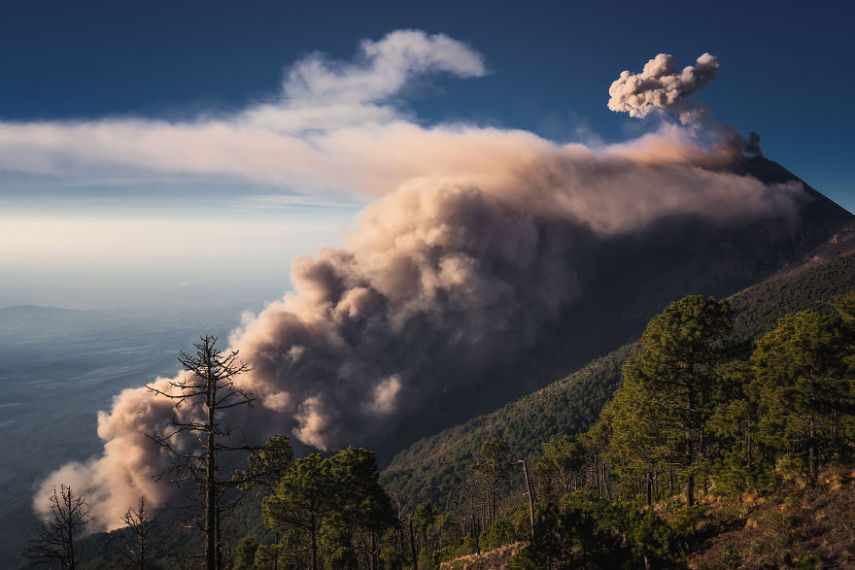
[
  {"x": 435, "y": 467},
  {"x": 819, "y": 210},
  {"x": 629, "y": 278}
]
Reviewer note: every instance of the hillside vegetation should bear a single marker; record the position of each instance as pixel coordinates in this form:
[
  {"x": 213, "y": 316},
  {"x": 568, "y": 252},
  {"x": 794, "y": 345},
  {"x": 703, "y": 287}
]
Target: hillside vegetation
[
  {"x": 713, "y": 452},
  {"x": 434, "y": 468},
  {"x": 727, "y": 430},
  {"x": 798, "y": 525}
]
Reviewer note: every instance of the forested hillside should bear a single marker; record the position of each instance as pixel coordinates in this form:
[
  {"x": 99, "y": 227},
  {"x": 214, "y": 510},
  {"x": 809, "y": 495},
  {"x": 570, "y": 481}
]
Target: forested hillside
[
  {"x": 653, "y": 455},
  {"x": 434, "y": 468}
]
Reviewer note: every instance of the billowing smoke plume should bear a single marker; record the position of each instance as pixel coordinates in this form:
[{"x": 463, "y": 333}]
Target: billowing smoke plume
[
  {"x": 442, "y": 277},
  {"x": 450, "y": 273},
  {"x": 662, "y": 87}
]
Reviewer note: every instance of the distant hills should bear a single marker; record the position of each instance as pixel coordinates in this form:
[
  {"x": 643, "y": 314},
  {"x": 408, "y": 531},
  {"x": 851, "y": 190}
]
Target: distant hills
[
  {"x": 29, "y": 310},
  {"x": 60, "y": 366}
]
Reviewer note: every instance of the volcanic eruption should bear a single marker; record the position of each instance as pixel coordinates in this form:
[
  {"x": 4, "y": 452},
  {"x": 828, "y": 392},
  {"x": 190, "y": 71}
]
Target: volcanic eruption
[{"x": 491, "y": 260}]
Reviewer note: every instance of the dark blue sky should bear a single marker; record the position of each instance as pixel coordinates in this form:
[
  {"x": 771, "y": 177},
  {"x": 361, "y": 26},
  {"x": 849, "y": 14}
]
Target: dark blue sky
[
  {"x": 786, "y": 67},
  {"x": 786, "y": 70}
]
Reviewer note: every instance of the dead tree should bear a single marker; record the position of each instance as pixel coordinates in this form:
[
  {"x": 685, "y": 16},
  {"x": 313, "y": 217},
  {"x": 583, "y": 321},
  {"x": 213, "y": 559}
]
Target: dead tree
[
  {"x": 203, "y": 395},
  {"x": 69, "y": 514},
  {"x": 140, "y": 536}
]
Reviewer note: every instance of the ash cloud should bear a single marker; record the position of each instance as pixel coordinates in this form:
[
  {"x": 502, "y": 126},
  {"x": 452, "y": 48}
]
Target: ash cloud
[
  {"x": 464, "y": 263},
  {"x": 443, "y": 277},
  {"x": 662, "y": 87}
]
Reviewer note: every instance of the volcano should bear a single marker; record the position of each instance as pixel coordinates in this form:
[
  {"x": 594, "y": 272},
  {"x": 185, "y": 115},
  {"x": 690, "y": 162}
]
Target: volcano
[
  {"x": 632, "y": 278},
  {"x": 765, "y": 275},
  {"x": 458, "y": 297}
]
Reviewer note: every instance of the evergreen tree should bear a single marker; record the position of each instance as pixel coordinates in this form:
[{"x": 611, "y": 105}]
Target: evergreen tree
[
  {"x": 267, "y": 465},
  {"x": 365, "y": 508},
  {"x": 803, "y": 383},
  {"x": 641, "y": 439},
  {"x": 733, "y": 423},
  {"x": 265, "y": 468},
  {"x": 331, "y": 509},
  {"x": 304, "y": 498},
  {"x": 423, "y": 519},
  {"x": 560, "y": 466},
  {"x": 491, "y": 471},
  {"x": 245, "y": 554},
  {"x": 674, "y": 380}
]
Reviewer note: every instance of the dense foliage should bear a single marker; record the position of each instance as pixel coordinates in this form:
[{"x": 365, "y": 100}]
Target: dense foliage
[
  {"x": 435, "y": 468},
  {"x": 701, "y": 419},
  {"x": 703, "y": 428}
]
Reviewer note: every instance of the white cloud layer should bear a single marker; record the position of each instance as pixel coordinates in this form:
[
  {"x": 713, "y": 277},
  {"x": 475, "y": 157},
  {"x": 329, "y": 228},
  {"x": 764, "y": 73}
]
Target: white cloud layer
[{"x": 324, "y": 130}]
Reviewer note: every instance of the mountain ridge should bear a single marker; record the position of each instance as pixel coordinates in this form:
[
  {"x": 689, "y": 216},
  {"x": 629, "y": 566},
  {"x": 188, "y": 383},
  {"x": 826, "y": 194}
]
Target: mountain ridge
[
  {"x": 633, "y": 277},
  {"x": 571, "y": 404}
]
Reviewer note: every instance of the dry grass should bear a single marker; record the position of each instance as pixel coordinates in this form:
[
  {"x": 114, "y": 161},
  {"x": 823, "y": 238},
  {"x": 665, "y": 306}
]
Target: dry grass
[
  {"x": 498, "y": 559},
  {"x": 798, "y": 527}
]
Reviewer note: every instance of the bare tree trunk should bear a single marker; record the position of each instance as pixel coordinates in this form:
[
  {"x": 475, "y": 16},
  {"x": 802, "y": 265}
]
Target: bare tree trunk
[
  {"x": 474, "y": 526},
  {"x": 690, "y": 451},
  {"x": 413, "y": 546},
  {"x": 649, "y": 488},
  {"x": 211, "y": 545},
  {"x": 690, "y": 490},
  {"x": 530, "y": 497},
  {"x": 748, "y": 448},
  {"x": 210, "y": 368},
  {"x": 55, "y": 543},
  {"x": 812, "y": 451},
  {"x": 69, "y": 507},
  {"x": 606, "y": 481},
  {"x": 276, "y": 550},
  {"x": 314, "y": 544}
]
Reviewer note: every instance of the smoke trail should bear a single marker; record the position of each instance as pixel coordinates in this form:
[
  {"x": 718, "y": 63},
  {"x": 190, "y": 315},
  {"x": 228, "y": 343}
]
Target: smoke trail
[
  {"x": 661, "y": 87},
  {"x": 323, "y": 131},
  {"x": 443, "y": 277},
  {"x": 485, "y": 239}
]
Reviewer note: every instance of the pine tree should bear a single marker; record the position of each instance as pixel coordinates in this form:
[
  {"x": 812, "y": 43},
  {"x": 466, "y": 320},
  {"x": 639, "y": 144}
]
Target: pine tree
[
  {"x": 803, "y": 382},
  {"x": 332, "y": 503},
  {"x": 674, "y": 379},
  {"x": 265, "y": 468},
  {"x": 641, "y": 439},
  {"x": 560, "y": 466},
  {"x": 491, "y": 471},
  {"x": 304, "y": 498}
]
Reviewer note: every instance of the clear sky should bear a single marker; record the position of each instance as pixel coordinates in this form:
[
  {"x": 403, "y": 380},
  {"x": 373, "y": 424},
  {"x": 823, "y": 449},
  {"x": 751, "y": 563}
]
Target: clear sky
[{"x": 91, "y": 93}]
